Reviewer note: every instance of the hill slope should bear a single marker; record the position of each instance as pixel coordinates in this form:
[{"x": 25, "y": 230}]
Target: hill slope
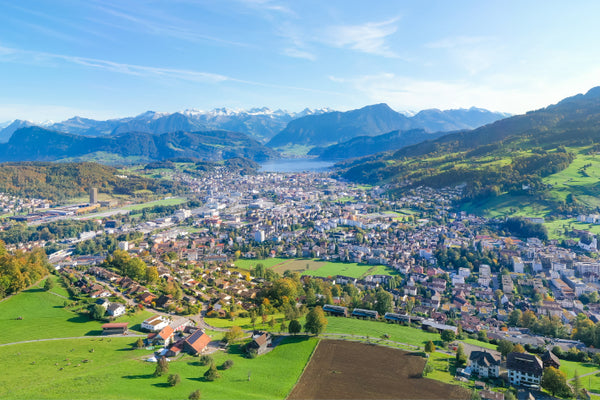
[
  {"x": 514, "y": 157},
  {"x": 365, "y": 145},
  {"x": 38, "y": 144}
]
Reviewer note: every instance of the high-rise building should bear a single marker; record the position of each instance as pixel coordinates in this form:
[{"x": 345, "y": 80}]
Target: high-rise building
[{"x": 93, "y": 195}]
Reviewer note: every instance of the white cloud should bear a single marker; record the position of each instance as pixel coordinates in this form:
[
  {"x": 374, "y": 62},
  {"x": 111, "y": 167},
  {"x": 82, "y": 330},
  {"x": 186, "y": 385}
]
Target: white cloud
[
  {"x": 367, "y": 38},
  {"x": 498, "y": 93},
  {"x": 297, "y": 53}
]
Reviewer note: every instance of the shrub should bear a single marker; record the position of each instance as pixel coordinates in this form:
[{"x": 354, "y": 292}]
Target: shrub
[
  {"x": 206, "y": 360},
  {"x": 212, "y": 374},
  {"x": 173, "y": 379},
  {"x": 195, "y": 395},
  {"x": 227, "y": 364}
]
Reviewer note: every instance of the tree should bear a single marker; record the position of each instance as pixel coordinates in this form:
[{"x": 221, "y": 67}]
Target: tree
[
  {"x": 505, "y": 347},
  {"x": 515, "y": 317},
  {"x": 384, "y": 301},
  {"x": 49, "y": 284},
  {"x": 98, "y": 312},
  {"x": 428, "y": 369},
  {"x": 162, "y": 367},
  {"x": 233, "y": 334},
  {"x": 518, "y": 349},
  {"x": 577, "y": 387},
  {"x": 195, "y": 395},
  {"x": 475, "y": 395},
  {"x": 139, "y": 344},
  {"x": 555, "y": 381},
  {"x": 211, "y": 373},
  {"x": 461, "y": 356},
  {"x": 448, "y": 335},
  {"x": 429, "y": 347},
  {"x": 294, "y": 327},
  {"x": 315, "y": 321},
  {"x": 173, "y": 379}
]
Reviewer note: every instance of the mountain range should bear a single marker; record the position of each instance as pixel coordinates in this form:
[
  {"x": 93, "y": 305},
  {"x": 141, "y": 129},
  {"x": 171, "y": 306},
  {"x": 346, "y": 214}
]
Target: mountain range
[
  {"x": 259, "y": 123},
  {"x": 336, "y": 127},
  {"x": 39, "y": 144},
  {"x": 312, "y": 127}
]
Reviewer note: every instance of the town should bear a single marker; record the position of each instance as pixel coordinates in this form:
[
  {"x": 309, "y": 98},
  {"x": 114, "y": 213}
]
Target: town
[{"x": 259, "y": 244}]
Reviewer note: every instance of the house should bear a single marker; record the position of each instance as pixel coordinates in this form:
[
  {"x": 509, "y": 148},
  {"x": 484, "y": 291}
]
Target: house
[
  {"x": 162, "y": 338},
  {"x": 155, "y": 323},
  {"x": 115, "y": 328},
  {"x": 115, "y": 310},
  {"x": 175, "y": 349},
  {"x": 260, "y": 342},
  {"x": 524, "y": 369},
  {"x": 489, "y": 395},
  {"x": 485, "y": 364},
  {"x": 196, "y": 342},
  {"x": 549, "y": 359}
]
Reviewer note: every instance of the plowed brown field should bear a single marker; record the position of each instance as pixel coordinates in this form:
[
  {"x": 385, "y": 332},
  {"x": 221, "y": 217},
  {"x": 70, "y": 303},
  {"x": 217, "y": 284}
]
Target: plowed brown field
[{"x": 350, "y": 370}]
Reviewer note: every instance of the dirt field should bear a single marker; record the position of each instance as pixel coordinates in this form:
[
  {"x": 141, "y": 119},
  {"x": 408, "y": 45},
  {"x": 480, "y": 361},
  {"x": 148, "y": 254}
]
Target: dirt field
[{"x": 350, "y": 370}]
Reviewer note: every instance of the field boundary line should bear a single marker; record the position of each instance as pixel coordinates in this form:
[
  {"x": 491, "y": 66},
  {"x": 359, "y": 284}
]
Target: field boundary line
[{"x": 304, "y": 369}]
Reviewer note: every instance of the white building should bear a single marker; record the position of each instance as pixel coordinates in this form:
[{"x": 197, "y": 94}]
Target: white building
[{"x": 155, "y": 323}]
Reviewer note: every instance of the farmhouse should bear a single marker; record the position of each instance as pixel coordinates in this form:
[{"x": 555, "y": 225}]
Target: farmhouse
[
  {"x": 115, "y": 328},
  {"x": 485, "y": 364},
  {"x": 524, "y": 369},
  {"x": 162, "y": 338},
  {"x": 115, "y": 309},
  {"x": 260, "y": 342},
  {"x": 196, "y": 342},
  {"x": 155, "y": 323}
]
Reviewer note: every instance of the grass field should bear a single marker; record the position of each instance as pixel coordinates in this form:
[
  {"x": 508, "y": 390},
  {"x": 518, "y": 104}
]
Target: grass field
[
  {"x": 376, "y": 329},
  {"x": 480, "y": 344},
  {"x": 44, "y": 316},
  {"x": 316, "y": 267},
  {"x": 245, "y": 323},
  {"x": 114, "y": 371}
]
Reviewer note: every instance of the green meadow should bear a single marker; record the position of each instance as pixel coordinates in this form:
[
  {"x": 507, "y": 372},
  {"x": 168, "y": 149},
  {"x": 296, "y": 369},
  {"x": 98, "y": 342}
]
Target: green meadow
[
  {"x": 316, "y": 267},
  {"x": 108, "y": 368},
  {"x": 44, "y": 316}
]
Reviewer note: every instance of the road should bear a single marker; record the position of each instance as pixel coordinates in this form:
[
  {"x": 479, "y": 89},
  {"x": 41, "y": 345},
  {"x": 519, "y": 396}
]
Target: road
[{"x": 69, "y": 338}]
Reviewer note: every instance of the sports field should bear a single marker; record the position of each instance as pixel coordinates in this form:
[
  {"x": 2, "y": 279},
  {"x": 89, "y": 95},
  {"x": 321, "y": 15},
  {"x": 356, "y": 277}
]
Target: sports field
[{"x": 315, "y": 267}]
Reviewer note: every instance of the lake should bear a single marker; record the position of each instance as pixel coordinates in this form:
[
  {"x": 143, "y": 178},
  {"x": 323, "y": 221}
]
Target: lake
[{"x": 296, "y": 165}]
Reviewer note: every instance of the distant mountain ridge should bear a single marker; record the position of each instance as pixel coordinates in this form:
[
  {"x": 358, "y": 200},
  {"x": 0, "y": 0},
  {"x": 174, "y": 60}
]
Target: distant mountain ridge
[
  {"x": 336, "y": 127},
  {"x": 259, "y": 123},
  {"x": 39, "y": 144},
  {"x": 365, "y": 145}
]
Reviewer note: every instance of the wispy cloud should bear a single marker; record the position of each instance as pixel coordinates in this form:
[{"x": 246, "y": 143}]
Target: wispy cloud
[
  {"x": 157, "y": 25},
  {"x": 370, "y": 37},
  {"x": 27, "y": 56},
  {"x": 297, "y": 53},
  {"x": 471, "y": 53}
]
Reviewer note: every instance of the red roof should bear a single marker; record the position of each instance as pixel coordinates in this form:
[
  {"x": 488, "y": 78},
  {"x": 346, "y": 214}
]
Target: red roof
[
  {"x": 166, "y": 332},
  {"x": 198, "y": 340},
  {"x": 113, "y": 325}
]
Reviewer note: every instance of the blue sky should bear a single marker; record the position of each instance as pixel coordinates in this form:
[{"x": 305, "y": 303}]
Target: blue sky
[{"x": 104, "y": 59}]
